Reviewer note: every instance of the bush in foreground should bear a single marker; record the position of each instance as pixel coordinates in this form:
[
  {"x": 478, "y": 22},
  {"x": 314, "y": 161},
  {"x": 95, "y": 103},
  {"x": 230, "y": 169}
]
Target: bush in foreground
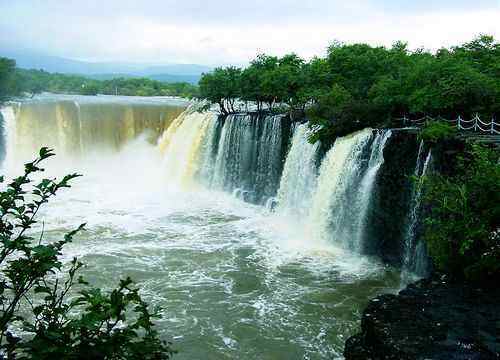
[{"x": 37, "y": 294}]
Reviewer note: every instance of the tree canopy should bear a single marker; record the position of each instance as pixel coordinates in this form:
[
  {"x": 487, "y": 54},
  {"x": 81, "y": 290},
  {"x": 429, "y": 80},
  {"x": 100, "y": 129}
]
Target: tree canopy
[
  {"x": 358, "y": 85},
  {"x": 7, "y": 69}
]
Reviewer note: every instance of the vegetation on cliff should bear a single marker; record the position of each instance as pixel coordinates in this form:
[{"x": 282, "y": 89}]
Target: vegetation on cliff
[
  {"x": 462, "y": 226},
  {"x": 359, "y": 85},
  {"x": 58, "y": 313}
]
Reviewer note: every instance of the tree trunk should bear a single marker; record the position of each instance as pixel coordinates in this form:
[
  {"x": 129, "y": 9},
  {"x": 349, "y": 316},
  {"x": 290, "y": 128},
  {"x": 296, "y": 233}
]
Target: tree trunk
[{"x": 222, "y": 107}]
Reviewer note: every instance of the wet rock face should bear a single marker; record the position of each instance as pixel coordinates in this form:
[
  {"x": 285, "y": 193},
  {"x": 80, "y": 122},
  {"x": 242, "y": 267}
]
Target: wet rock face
[
  {"x": 431, "y": 319},
  {"x": 390, "y": 205}
]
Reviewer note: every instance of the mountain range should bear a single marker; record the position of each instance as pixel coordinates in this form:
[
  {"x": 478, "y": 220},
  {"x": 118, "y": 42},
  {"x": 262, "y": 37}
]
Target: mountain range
[{"x": 107, "y": 70}]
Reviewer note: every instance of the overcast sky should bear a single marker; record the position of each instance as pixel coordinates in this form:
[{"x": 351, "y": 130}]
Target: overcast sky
[{"x": 232, "y": 31}]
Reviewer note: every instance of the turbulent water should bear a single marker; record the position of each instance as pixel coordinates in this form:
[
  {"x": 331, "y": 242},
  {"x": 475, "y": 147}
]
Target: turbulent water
[{"x": 233, "y": 280}]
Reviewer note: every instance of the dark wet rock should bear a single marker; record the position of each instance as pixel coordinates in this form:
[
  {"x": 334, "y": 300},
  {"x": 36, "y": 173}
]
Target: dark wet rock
[
  {"x": 431, "y": 319},
  {"x": 390, "y": 203}
]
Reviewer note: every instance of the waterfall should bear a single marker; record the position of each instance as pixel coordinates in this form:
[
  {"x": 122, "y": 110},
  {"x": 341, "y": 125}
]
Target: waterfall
[
  {"x": 269, "y": 157},
  {"x": 3, "y": 135},
  {"x": 181, "y": 145},
  {"x": 76, "y": 126},
  {"x": 415, "y": 260},
  {"x": 244, "y": 156},
  {"x": 299, "y": 177},
  {"x": 240, "y": 153},
  {"x": 334, "y": 215},
  {"x": 345, "y": 185},
  {"x": 249, "y": 155},
  {"x": 208, "y": 153},
  {"x": 367, "y": 184}
]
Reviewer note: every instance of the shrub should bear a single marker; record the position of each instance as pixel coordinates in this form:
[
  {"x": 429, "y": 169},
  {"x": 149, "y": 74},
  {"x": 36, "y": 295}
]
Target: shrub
[
  {"x": 462, "y": 225},
  {"x": 91, "y": 325},
  {"x": 437, "y": 131}
]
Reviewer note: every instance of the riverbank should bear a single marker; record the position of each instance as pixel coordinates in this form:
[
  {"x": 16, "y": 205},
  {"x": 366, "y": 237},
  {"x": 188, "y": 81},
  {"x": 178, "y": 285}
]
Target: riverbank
[{"x": 430, "y": 319}]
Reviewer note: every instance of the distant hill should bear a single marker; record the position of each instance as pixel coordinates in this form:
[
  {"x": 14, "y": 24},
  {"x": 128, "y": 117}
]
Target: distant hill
[
  {"x": 107, "y": 70},
  {"x": 176, "y": 69},
  {"x": 168, "y": 78}
]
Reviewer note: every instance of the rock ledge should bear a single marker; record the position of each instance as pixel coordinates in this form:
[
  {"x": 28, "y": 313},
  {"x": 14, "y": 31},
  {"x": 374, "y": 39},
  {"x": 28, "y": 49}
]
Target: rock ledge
[{"x": 430, "y": 319}]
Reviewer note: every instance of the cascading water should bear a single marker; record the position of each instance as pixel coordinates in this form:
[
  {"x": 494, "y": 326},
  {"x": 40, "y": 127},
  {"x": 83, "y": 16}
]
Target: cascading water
[
  {"x": 334, "y": 215},
  {"x": 415, "y": 259},
  {"x": 3, "y": 136},
  {"x": 299, "y": 177},
  {"x": 242, "y": 154},
  {"x": 248, "y": 158},
  {"x": 367, "y": 184},
  {"x": 75, "y": 126},
  {"x": 181, "y": 144},
  {"x": 333, "y": 205}
]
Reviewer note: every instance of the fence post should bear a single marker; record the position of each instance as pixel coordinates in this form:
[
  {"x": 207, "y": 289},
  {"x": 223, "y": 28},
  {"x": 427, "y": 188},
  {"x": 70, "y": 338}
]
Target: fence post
[
  {"x": 458, "y": 123},
  {"x": 492, "y": 126}
]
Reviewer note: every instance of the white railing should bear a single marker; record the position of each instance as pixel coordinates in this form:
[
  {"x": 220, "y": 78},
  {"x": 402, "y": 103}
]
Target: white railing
[{"x": 475, "y": 124}]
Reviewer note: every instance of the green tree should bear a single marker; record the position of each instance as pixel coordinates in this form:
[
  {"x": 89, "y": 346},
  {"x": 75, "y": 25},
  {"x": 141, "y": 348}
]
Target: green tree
[
  {"x": 250, "y": 86},
  {"x": 291, "y": 81},
  {"x": 222, "y": 87},
  {"x": 212, "y": 88},
  {"x": 231, "y": 86},
  {"x": 7, "y": 86},
  {"x": 268, "y": 79},
  {"x": 332, "y": 111},
  {"x": 356, "y": 86},
  {"x": 449, "y": 86},
  {"x": 483, "y": 53}
]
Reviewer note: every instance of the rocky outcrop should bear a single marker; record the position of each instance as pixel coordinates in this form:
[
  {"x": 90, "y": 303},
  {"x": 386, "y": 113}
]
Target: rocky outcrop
[
  {"x": 390, "y": 204},
  {"x": 431, "y": 319}
]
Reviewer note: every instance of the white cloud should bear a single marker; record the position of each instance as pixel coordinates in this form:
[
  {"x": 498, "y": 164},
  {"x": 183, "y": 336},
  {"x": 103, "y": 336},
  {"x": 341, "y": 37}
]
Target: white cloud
[{"x": 117, "y": 32}]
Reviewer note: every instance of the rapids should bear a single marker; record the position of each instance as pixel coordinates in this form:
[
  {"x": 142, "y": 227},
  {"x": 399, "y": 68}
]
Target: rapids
[{"x": 232, "y": 279}]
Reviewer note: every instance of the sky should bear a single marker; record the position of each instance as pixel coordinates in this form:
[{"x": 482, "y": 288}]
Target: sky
[{"x": 214, "y": 32}]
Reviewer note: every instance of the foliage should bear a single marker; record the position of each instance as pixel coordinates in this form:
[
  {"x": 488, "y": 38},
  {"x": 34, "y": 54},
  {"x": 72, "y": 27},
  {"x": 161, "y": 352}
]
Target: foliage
[
  {"x": 37, "y": 81},
  {"x": 92, "y": 325},
  {"x": 268, "y": 80},
  {"x": 220, "y": 87},
  {"x": 7, "y": 68},
  {"x": 89, "y": 89},
  {"x": 436, "y": 131},
  {"x": 462, "y": 225},
  {"x": 358, "y": 85}
]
